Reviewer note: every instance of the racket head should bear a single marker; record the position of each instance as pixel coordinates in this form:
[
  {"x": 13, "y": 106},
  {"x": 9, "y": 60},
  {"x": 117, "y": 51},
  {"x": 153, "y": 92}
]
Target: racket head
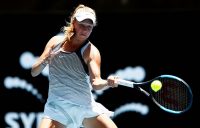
[{"x": 174, "y": 96}]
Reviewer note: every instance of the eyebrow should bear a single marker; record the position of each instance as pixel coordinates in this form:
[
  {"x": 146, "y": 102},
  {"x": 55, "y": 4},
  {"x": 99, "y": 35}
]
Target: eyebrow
[{"x": 87, "y": 24}]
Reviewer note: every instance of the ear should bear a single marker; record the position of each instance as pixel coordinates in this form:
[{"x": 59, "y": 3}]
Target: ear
[
  {"x": 74, "y": 21},
  {"x": 73, "y": 26}
]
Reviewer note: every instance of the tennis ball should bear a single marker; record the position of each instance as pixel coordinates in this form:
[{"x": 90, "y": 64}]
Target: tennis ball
[{"x": 156, "y": 85}]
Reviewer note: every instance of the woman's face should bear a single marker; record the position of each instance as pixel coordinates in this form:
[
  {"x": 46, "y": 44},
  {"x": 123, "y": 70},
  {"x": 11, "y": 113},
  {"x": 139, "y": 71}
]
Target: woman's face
[{"x": 83, "y": 29}]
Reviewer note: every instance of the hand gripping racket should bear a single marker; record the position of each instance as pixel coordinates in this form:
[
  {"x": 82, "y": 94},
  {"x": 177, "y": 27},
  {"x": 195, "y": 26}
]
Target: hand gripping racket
[{"x": 170, "y": 93}]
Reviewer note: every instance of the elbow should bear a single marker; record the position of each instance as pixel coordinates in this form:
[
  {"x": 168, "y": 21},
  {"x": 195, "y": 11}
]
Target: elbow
[
  {"x": 33, "y": 73},
  {"x": 94, "y": 86}
]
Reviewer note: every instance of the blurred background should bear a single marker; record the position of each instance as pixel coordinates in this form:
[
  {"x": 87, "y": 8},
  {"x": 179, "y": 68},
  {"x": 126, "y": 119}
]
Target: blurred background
[{"x": 138, "y": 40}]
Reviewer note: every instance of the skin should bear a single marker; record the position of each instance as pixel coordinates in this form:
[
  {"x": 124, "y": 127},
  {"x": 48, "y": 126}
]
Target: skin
[{"x": 92, "y": 58}]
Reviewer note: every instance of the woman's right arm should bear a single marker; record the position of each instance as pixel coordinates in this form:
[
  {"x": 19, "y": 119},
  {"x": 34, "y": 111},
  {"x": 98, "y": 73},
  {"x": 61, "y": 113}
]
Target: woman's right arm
[{"x": 42, "y": 61}]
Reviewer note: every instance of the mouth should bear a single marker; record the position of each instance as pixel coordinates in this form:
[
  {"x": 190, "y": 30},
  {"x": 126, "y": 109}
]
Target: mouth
[{"x": 84, "y": 35}]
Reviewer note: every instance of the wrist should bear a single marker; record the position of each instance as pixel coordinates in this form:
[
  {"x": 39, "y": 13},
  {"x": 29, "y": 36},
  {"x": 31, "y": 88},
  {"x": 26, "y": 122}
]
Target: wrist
[{"x": 107, "y": 84}]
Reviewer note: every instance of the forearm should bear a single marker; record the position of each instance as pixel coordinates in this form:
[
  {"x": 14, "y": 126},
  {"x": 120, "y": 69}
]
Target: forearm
[
  {"x": 98, "y": 84},
  {"x": 38, "y": 67}
]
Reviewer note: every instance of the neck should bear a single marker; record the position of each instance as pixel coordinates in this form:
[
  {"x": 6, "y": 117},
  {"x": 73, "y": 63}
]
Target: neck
[
  {"x": 72, "y": 45},
  {"x": 76, "y": 41}
]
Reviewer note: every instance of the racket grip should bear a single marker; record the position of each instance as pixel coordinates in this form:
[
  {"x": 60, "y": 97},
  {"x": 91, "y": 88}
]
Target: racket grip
[{"x": 125, "y": 83}]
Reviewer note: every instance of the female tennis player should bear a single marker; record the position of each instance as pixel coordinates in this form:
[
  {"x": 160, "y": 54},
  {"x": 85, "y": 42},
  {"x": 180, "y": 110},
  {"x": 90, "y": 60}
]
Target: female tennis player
[{"x": 74, "y": 70}]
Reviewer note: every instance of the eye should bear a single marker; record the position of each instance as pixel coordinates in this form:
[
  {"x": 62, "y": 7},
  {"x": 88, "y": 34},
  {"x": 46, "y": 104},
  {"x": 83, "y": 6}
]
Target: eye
[{"x": 86, "y": 26}]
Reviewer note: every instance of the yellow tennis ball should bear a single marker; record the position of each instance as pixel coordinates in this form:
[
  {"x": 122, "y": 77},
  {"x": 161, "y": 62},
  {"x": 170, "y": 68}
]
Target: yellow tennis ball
[{"x": 156, "y": 85}]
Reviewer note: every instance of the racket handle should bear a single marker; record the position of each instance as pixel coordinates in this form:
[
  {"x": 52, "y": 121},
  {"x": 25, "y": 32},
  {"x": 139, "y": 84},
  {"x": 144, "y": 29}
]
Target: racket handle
[{"x": 125, "y": 83}]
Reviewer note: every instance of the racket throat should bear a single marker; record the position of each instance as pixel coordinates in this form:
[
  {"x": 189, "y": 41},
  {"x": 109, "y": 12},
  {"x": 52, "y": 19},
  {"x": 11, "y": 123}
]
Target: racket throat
[{"x": 142, "y": 90}]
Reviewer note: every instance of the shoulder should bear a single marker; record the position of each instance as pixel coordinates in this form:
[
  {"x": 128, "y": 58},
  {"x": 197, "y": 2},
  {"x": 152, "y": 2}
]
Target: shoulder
[
  {"x": 92, "y": 53},
  {"x": 92, "y": 48},
  {"x": 55, "y": 40}
]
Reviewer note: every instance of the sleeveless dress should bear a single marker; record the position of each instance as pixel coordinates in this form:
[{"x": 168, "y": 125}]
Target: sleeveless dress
[{"x": 70, "y": 97}]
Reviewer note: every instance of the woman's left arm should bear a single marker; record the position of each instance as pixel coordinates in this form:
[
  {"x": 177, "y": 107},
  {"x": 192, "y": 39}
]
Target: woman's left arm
[{"x": 93, "y": 59}]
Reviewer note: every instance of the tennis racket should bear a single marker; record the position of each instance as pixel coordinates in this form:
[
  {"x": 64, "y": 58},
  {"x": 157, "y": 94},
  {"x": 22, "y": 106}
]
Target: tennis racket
[{"x": 170, "y": 93}]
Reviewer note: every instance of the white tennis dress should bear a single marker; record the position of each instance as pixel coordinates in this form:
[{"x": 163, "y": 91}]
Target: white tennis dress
[{"x": 70, "y": 99}]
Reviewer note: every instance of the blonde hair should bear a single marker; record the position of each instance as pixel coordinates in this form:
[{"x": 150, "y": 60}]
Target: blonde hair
[{"x": 69, "y": 28}]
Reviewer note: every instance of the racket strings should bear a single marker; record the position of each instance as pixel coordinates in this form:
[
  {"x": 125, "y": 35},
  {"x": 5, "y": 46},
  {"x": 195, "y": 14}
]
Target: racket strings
[{"x": 173, "y": 95}]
